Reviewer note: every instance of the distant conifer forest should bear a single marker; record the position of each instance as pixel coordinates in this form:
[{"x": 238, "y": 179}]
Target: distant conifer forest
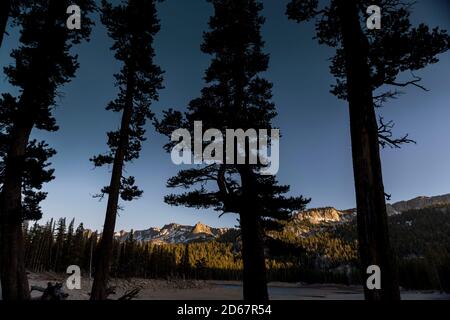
[{"x": 420, "y": 237}]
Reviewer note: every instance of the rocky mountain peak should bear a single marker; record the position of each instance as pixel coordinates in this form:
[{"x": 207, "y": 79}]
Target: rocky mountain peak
[
  {"x": 201, "y": 228},
  {"x": 171, "y": 226},
  {"x": 321, "y": 215}
]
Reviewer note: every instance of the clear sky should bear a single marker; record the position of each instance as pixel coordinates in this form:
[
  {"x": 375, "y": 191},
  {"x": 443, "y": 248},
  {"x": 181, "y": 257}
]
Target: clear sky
[{"x": 315, "y": 150}]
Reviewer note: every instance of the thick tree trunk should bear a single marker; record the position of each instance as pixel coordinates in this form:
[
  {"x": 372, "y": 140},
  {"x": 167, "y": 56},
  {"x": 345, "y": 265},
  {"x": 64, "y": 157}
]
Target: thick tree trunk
[
  {"x": 373, "y": 235},
  {"x": 254, "y": 273},
  {"x": 12, "y": 259},
  {"x": 13, "y": 274},
  {"x": 5, "y": 9},
  {"x": 12, "y": 264},
  {"x": 104, "y": 252}
]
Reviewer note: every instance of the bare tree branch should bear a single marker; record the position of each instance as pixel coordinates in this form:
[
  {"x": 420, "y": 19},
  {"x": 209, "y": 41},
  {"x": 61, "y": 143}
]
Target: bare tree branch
[
  {"x": 386, "y": 138},
  {"x": 414, "y": 82}
]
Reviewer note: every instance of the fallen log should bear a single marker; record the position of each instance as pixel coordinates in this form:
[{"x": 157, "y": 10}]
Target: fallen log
[
  {"x": 53, "y": 292},
  {"x": 130, "y": 294}
]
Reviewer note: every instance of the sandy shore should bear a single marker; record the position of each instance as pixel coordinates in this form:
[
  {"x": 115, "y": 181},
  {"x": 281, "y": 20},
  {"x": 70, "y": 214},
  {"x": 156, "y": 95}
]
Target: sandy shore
[{"x": 220, "y": 290}]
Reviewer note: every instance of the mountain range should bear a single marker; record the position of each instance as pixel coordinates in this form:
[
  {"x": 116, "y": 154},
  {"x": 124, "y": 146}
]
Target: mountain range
[
  {"x": 175, "y": 233},
  {"x": 331, "y": 215}
]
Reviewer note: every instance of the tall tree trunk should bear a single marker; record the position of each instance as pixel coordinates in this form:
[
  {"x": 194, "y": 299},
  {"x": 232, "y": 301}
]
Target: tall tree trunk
[
  {"x": 5, "y": 9},
  {"x": 12, "y": 261},
  {"x": 373, "y": 235},
  {"x": 13, "y": 274},
  {"x": 12, "y": 264},
  {"x": 254, "y": 273},
  {"x": 104, "y": 252}
]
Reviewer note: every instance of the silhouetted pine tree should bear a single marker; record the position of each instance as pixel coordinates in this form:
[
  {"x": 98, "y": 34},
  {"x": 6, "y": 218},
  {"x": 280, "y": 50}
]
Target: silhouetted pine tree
[
  {"x": 236, "y": 97},
  {"x": 60, "y": 240},
  {"x": 67, "y": 249},
  {"x": 35, "y": 167},
  {"x": 42, "y": 64},
  {"x": 79, "y": 242},
  {"x": 367, "y": 65},
  {"x": 89, "y": 250},
  {"x": 132, "y": 25}
]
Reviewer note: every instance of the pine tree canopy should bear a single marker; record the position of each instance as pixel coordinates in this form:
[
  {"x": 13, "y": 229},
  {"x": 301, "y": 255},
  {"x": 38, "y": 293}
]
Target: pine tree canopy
[
  {"x": 394, "y": 52},
  {"x": 132, "y": 25},
  {"x": 42, "y": 64},
  {"x": 395, "y": 48},
  {"x": 236, "y": 97}
]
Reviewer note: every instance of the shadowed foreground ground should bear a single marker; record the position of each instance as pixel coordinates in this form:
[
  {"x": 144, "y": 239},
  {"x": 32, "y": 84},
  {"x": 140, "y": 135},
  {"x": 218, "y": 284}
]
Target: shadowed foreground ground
[{"x": 222, "y": 290}]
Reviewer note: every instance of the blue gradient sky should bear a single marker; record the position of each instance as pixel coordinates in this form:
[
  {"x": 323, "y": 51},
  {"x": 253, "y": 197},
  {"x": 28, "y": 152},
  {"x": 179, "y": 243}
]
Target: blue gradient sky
[{"x": 315, "y": 148}]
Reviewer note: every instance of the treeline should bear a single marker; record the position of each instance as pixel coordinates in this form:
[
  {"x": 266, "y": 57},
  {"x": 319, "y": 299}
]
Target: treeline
[
  {"x": 329, "y": 255},
  {"x": 54, "y": 246}
]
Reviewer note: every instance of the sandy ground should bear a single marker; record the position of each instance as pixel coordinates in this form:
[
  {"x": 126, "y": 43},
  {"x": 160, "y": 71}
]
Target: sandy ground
[{"x": 220, "y": 290}]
